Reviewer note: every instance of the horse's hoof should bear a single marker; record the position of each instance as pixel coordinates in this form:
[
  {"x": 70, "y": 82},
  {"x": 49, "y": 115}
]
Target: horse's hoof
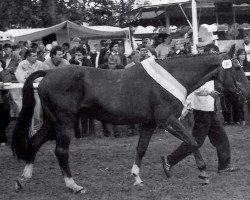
[
  {"x": 205, "y": 181},
  {"x": 203, "y": 175},
  {"x": 166, "y": 167},
  {"x": 138, "y": 184},
  {"x": 81, "y": 191},
  {"x": 18, "y": 186}
]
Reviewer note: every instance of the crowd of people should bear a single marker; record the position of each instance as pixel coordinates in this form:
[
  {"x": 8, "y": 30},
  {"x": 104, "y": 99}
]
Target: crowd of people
[{"x": 18, "y": 61}]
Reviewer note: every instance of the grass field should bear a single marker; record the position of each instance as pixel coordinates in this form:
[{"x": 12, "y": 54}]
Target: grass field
[{"x": 103, "y": 165}]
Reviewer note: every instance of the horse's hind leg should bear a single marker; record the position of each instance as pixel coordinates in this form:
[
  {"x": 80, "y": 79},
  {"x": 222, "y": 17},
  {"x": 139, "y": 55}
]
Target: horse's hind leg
[
  {"x": 63, "y": 137},
  {"x": 146, "y": 133},
  {"x": 178, "y": 130},
  {"x": 35, "y": 142}
]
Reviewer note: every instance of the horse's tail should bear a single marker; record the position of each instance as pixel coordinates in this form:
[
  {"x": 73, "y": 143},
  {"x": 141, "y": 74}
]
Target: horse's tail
[{"x": 21, "y": 131}]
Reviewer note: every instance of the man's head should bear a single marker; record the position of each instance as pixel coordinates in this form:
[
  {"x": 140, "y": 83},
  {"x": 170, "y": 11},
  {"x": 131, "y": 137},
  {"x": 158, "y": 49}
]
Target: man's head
[
  {"x": 147, "y": 41},
  {"x": 31, "y": 55},
  {"x": 7, "y": 49},
  {"x": 112, "y": 62},
  {"x": 80, "y": 53},
  {"x": 114, "y": 47},
  {"x": 76, "y": 42},
  {"x": 97, "y": 47},
  {"x": 143, "y": 50},
  {"x": 27, "y": 44},
  {"x": 246, "y": 40},
  {"x": 65, "y": 46},
  {"x": 54, "y": 43},
  {"x": 56, "y": 54}
]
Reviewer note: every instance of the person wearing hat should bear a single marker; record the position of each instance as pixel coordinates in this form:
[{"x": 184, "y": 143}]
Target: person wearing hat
[{"x": 76, "y": 43}]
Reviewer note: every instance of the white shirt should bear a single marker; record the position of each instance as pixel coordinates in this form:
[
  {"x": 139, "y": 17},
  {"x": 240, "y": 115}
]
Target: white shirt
[
  {"x": 247, "y": 49},
  {"x": 97, "y": 59},
  {"x": 200, "y": 98}
]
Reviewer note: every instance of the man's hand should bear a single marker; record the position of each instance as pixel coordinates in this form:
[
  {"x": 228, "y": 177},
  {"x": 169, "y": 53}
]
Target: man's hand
[{"x": 214, "y": 94}]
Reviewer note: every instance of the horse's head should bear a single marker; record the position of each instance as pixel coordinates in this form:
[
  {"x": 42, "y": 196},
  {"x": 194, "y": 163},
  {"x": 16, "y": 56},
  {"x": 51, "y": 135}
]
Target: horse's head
[{"x": 232, "y": 76}]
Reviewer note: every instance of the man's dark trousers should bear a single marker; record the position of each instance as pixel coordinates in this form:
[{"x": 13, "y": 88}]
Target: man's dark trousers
[{"x": 205, "y": 124}]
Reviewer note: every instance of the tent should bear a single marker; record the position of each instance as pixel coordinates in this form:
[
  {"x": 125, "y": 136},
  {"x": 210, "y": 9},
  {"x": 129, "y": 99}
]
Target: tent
[
  {"x": 64, "y": 32},
  {"x": 4, "y": 37}
]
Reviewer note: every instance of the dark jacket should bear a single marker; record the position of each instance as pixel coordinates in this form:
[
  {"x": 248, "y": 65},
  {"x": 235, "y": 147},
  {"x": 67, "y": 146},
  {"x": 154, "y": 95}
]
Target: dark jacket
[
  {"x": 103, "y": 52},
  {"x": 85, "y": 62},
  {"x": 11, "y": 68},
  {"x": 122, "y": 58}
]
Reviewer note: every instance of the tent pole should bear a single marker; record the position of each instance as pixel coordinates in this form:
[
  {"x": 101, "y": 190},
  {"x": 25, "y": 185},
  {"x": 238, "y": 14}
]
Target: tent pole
[
  {"x": 68, "y": 34},
  {"x": 195, "y": 26},
  {"x": 185, "y": 16}
]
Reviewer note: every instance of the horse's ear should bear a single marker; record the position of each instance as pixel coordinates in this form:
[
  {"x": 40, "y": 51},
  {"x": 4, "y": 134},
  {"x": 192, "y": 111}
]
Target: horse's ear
[{"x": 232, "y": 50}]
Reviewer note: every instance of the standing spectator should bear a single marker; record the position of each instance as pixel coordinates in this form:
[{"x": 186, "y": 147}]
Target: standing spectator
[
  {"x": 151, "y": 50},
  {"x": 177, "y": 49},
  {"x": 95, "y": 55},
  {"x": 104, "y": 50},
  {"x": 133, "y": 58},
  {"x": 16, "y": 49},
  {"x": 76, "y": 44},
  {"x": 114, "y": 50},
  {"x": 40, "y": 52},
  {"x": 66, "y": 54},
  {"x": 242, "y": 58},
  {"x": 56, "y": 59},
  {"x": 112, "y": 65},
  {"x": 246, "y": 46},
  {"x": 143, "y": 51},
  {"x": 26, "y": 45},
  {"x": 163, "y": 49},
  {"x": 206, "y": 123},
  {"x": 24, "y": 69},
  {"x": 4, "y": 107},
  {"x": 46, "y": 54},
  {"x": 80, "y": 58},
  {"x": 12, "y": 62}
]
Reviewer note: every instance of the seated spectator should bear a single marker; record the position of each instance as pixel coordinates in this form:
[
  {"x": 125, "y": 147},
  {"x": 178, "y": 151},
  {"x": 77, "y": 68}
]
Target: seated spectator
[
  {"x": 4, "y": 107},
  {"x": 80, "y": 58},
  {"x": 56, "y": 59}
]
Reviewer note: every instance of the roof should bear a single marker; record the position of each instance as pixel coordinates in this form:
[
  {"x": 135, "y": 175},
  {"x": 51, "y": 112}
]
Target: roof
[
  {"x": 156, "y": 14},
  {"x": 66, "y": 27}
]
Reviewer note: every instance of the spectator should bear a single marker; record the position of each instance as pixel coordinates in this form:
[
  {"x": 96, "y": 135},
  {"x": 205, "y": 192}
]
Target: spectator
[
  {"x": 87, "y": 49},
  {"x": 242, "y": 58},
  {"x": 26, "y": 45},
  {"x": 104, "y": 50},
  {"x": 56, "y": 59},
  {"x": 40, "y": 52},
  {"x": 177, "y": 49},
  {"x": 54, "y": 43},
  {"x": 143, "y": 51},
  {"x": 16, "y": 49},
  {"x": 76, "y": 44},
  {"x": 114, "y": 50},
  {"x": 94, "y": 56},
  {"x": 24, "y": 69},
  {"x": 151, "y": 50},
  {"x": 66, "y": 54},
  {"x": 163, "y": 49},
  {"x": 4, "y": 107},
  {"x": 12, "y": 62},
  {"x": 113, "y": 65},
  {"x": 80, "y": 58},
  {"x": 133, "y": 58},
  {"x": 246, "y": 46},
  {"x": 46, "y": 54}
]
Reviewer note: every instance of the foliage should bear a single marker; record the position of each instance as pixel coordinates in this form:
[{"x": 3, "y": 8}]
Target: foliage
[{"x": 44, "y": 13}]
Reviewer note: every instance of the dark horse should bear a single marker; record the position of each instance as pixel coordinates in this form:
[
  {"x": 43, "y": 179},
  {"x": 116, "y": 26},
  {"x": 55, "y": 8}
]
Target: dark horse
[{"x": 116, "y": 97}]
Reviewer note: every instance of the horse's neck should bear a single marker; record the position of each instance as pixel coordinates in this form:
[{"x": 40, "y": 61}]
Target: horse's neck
[{"x": 192, "y": 74}]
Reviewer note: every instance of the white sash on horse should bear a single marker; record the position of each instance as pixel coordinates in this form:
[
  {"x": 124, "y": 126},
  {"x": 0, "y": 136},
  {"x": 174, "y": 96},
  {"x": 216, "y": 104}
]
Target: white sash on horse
[{"x": 165, "y": 79}]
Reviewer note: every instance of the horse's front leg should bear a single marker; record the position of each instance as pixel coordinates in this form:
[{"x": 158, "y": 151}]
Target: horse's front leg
[
  {"x": 176, "y": 128},
  {"x": 63, "y": 132},
  {"x": 146, "y": 132}
]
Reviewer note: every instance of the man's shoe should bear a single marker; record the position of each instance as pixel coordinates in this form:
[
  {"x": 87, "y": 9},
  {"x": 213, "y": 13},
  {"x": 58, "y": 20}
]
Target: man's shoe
[
  {"x": 228, "y": 169},
  {"x": 166, "y": 166}
]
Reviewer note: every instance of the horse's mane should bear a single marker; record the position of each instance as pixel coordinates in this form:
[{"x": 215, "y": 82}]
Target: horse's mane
[{"x": 191, "y": 56}]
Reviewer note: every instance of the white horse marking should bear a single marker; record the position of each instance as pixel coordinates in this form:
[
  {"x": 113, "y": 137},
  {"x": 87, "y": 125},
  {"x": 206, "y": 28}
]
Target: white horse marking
[
  {"x": 70, "y": 183},
  {"x": 28, "y": 170},
  {"x": 135, "y": 172}
]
